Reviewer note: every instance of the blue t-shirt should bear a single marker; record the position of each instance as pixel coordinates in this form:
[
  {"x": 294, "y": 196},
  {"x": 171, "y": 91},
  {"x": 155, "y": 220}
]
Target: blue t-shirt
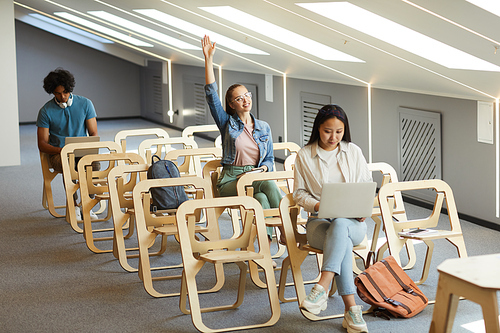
[{"x": 65, "y": 122}]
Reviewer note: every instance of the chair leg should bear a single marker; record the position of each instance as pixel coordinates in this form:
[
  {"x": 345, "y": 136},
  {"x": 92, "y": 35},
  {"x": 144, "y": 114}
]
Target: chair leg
[
  {"x": 427, "y": 262},
  {"x": 445, "y": 306}
]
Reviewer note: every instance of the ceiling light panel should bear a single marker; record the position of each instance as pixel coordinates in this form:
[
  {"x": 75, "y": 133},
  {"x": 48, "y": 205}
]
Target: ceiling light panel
[
  {"x": 199, "y": 31},
  {"x": 70, "y": 28},
  {"x": 398, "y": 35},
  {"x": 488, "y": 5},
  {"x": 102, "y": 29},
  {"x": 144, "y": 30},
  {"x": 279, "y": 34}
]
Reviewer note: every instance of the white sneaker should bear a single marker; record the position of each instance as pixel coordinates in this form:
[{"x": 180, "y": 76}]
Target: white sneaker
[
  {"x": 353, "y": 320},
  {"x": 78, "y": 213},
  {"x": 93, "y": 216},
  {"x": 316, "y": 300}
]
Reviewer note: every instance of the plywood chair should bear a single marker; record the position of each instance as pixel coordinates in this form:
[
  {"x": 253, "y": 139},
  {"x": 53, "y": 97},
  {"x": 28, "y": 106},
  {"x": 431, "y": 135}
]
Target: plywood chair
[
  {"x": 222, "y": 251},
  {"x": 291, "y": 149},
  {"x": 122, "y": 210},
  {"x": 389, "y": 175},
  {"x": 48, "y": 174},
  {"x": 189, "y": 132},
  {"x": 163, "y": 223},
  {"x": 70, "y": 175},
  {"x": 272, "y": 218},
  {"x": 121, "y": 136},
  {"x": 453, "y": 234},
  {"x": 193, "y": 157},
  {"x": 163, "y": 146},
  {"x": 298, "y": 250},
  {"x": 94, "y": 192}
]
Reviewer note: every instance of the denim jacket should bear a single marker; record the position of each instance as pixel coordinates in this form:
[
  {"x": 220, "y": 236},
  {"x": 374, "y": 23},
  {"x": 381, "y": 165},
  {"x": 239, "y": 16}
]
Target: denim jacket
[{"x": 231, "y": 127}]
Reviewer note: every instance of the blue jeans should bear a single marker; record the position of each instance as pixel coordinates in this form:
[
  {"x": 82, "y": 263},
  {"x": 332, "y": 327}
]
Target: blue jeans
[{"x": 336, "y": 237}]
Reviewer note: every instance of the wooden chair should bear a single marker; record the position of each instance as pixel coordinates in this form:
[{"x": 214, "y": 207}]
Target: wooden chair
[
  {"x": 121, "y": 136},
  {"x": 272, "y": 217},
  {"x": 386, "y": 198},
  {"x": 163, "y": 146},
  {"x": 189, "y": 131},
  {"x": 48, "y": 174},
  {"x": 163, "y": 223},
  {"x": 122, "y": 209},
  {"x": 233, "y": 250},
  {"x": 193, "y": 157},
  {"x": 70, "y": 175},
  {"x": 93, "y": 192},
  {"x": 376, "y": 253},
  {"x": 291, "y": 149},
  {"x": 298, "y": 250}
]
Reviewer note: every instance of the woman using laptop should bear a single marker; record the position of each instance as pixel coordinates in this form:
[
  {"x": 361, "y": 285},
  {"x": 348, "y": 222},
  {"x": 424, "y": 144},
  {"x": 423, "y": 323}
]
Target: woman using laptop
[
  {"x": 329, "y": 157},
  {"x": 246, "y": 141}
]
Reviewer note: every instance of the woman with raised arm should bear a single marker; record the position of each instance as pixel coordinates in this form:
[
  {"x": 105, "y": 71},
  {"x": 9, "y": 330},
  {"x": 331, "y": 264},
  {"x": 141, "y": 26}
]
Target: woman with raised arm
[
  {"x": 246, "y": 141},
  {"x": 331, "y": 157}
]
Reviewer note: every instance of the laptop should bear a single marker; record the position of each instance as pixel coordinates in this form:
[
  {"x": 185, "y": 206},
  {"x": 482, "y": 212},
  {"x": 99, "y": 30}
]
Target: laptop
[
  {"x": 80, "y": 139},
  {"x": 349, "y": 200}
]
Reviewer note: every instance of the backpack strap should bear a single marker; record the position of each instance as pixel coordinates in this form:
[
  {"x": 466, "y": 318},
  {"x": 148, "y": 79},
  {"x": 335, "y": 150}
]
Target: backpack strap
[
  {"x": 386, "y": 299},
  {"x": 153, "y": 158},
  {"x": 406, "y": 288}
]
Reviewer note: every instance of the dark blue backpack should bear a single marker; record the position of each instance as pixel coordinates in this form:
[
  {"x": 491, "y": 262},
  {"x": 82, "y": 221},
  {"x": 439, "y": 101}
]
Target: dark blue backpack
[{"x": 166, "y": 197}]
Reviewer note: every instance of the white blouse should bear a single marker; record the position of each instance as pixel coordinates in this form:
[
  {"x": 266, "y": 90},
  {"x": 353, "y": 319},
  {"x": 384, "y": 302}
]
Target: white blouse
[{"x": 311, "y": 171}]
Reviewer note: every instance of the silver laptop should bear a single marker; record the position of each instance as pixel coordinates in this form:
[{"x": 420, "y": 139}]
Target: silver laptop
[
  {"x": 80, "y": 139},
  {"x": 349, "y": 200}
]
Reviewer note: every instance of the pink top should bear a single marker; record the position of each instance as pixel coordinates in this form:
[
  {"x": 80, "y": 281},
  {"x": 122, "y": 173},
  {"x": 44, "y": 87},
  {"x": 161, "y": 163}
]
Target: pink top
[{"x": 247, "y": 151}]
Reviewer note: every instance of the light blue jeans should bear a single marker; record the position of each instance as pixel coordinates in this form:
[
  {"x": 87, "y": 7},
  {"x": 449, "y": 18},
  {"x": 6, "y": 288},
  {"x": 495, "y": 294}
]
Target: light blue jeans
[{"x": 336, "y": 237}]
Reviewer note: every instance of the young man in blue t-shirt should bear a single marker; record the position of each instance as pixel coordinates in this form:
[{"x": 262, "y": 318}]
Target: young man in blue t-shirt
[{"x": 64, "y": 115}]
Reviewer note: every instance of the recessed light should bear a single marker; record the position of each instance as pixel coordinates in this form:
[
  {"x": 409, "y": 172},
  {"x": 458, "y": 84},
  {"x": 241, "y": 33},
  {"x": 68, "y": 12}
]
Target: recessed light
[
  {"x": 102, "y": 29},
  {"x": 398, "y": 35},
  {"x": 279, "y": 34},
  {"x": 144, "y": 30},
  {"x": 199, "y": 31},
  {"x": 69, "y": 28}
]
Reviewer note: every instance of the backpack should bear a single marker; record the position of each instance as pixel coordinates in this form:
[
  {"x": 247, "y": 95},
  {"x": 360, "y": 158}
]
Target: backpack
[
  {"x": 386, "y": 285},
  {"x": 166, "y": 197}
]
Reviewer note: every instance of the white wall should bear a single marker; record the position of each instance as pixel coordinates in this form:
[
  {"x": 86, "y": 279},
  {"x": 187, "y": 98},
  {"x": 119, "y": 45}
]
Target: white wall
[
  {"x": 112, "y": 84},
  {"x": 9, "y": 130}
]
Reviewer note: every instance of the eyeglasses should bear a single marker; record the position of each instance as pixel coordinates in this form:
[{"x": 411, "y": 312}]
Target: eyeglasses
[{"x": 242, "y": 97}]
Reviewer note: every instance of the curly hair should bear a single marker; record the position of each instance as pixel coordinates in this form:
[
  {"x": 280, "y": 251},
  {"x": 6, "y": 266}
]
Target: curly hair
[{"x": 59, "y": 77}]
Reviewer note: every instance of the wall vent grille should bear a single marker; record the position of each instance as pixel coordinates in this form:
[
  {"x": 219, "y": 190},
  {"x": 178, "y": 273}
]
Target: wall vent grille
[
  {"x": 200, "y": 104},
  {"x": 310, "y": 103},
  {"x": 420, "y": 147},
  {"x": 157, "y": 95}
]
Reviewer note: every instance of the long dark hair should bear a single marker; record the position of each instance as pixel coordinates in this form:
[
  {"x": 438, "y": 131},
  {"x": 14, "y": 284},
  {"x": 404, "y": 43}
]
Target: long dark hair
[
  {"x": 327, "y": 112},
  {"x": 229, "y": 94}
]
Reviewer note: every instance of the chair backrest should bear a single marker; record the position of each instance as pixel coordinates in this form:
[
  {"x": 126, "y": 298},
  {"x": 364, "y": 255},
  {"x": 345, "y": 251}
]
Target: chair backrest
[
  {"x": 141, "y": 198},
  {"x": 386, "y": 197},
  {"x": 218, "y": 142},
  {"x": 289, "y": 212},
  {"x": 87, "y": 177},
  {"x": 70, "y": 174},
  {"x": 288, "y": 147},
  {"x": 289, "y": 166},
  {"x": 211, "y": 171},
  {"x": 189, "y": 131},
  {"x": 121, "y": 136},
  {"x": 163, "y": 146},
  {"x": 253, "y": 211},
  {"x": 192, "y": 157},
  {"x": 389, "y": 175},
  {"x": 119, "y": 185},
  {"x": 244, "y": 185}
]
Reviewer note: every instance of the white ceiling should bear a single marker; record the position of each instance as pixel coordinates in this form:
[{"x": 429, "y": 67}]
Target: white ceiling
[{"x": 385, "y": 66}]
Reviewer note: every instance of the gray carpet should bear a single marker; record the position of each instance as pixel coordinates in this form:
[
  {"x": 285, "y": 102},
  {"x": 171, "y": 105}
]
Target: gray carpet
[{"x": 51, "y": 282}]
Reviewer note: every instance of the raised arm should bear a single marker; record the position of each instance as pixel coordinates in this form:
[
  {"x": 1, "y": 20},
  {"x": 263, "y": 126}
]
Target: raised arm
[{"x": 208, "y": 52}]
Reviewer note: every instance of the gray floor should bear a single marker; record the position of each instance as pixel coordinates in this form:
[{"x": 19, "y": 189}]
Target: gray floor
[{"x": 51, "y": 282}]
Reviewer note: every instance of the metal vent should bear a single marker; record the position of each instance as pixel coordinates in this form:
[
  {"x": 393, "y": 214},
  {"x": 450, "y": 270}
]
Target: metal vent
[
  {"x": 157, "y": 95},
  {"x": 199, "y": 104},
  {"x": 420, "y": 147},
  {"x": 311, "y": 103}
]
